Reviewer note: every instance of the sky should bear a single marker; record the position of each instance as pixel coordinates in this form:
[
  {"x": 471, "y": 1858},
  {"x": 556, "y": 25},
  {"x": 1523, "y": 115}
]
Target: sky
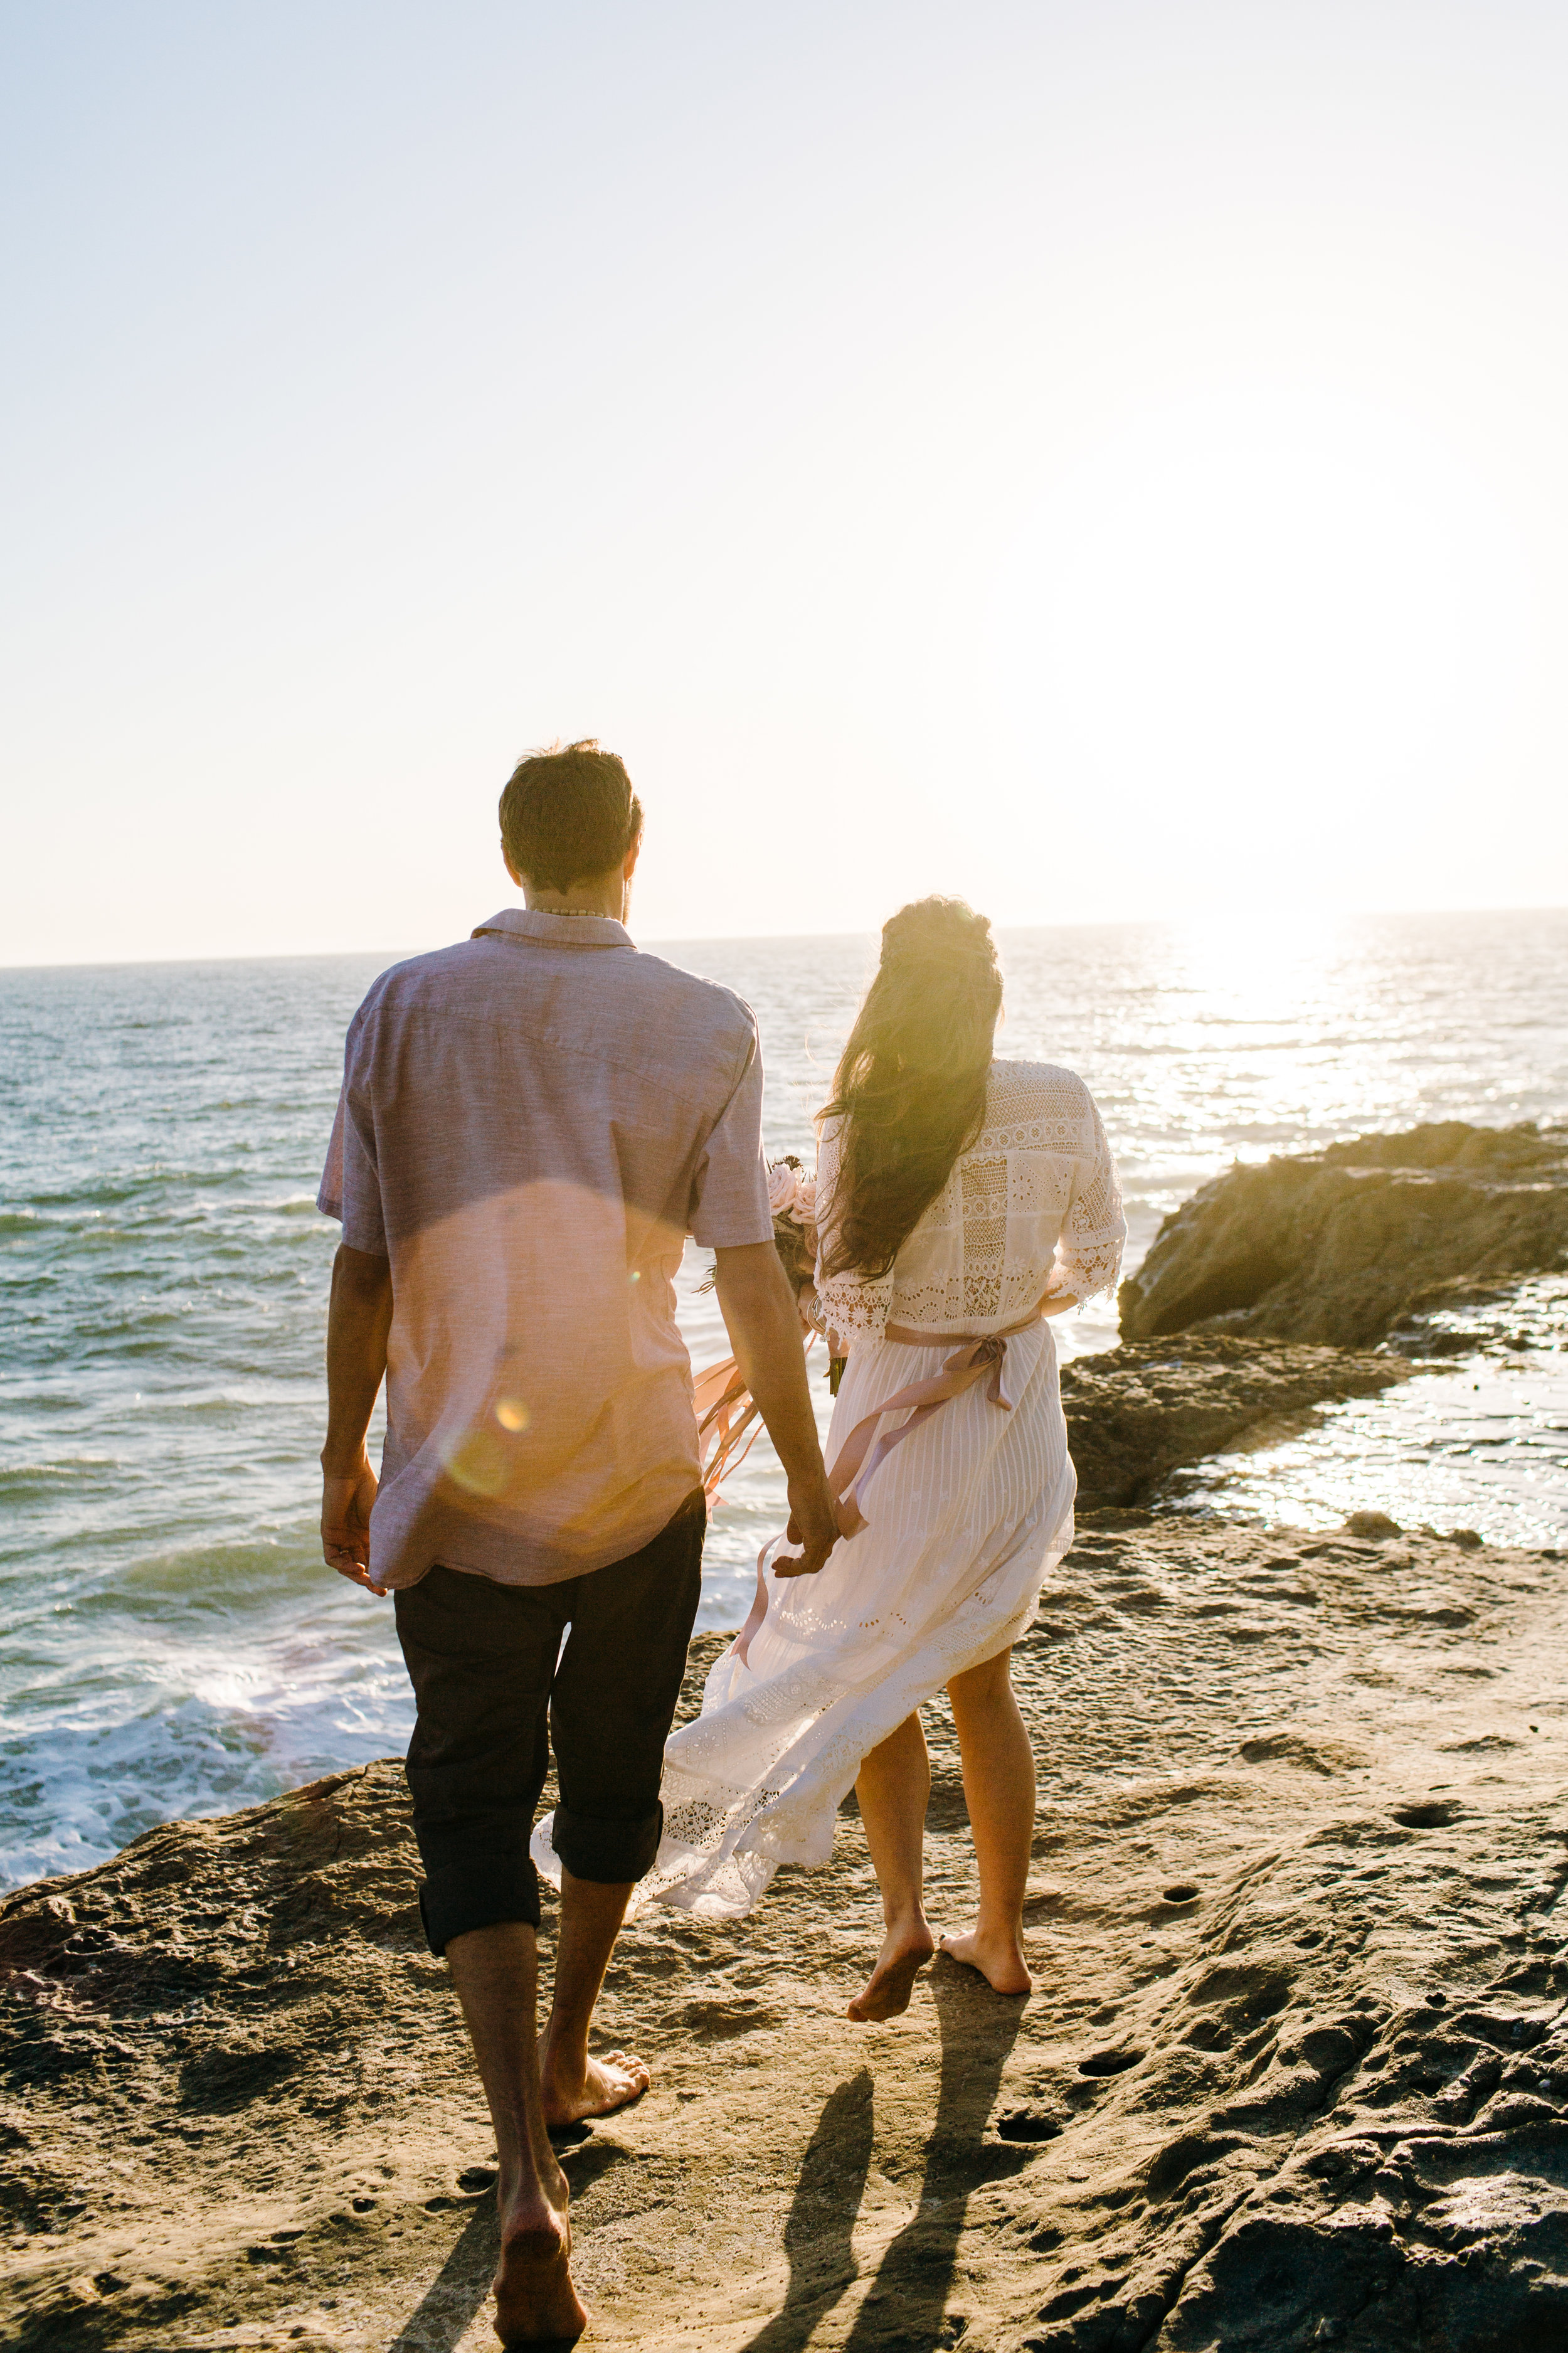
[{"x": 1105, "y": 459}]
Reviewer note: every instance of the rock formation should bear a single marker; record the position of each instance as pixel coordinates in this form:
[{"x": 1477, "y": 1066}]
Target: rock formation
[
  {"x": 1139, "y": 1411},
  {"x": 1295, "y": 2070},
  {"x": 1340, "y": 1246}
]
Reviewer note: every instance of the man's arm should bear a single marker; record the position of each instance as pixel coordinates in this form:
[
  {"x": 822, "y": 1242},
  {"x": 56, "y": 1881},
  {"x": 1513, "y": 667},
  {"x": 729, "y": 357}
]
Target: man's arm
[
  {"x": 358, "y": 1322},
  {"x": 763, "y": 1323}
]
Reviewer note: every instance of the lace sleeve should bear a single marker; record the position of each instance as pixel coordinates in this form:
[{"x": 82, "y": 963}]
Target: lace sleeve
[
  {"x": 855, "y": 1306},
  {"x": 1089, "y": 1253}
]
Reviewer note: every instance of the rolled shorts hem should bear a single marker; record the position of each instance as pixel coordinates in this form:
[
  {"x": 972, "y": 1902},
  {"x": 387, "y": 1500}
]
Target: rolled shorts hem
[
  {"x": 607, "y": 1853},
  {"x": 484, "y": 1896}
]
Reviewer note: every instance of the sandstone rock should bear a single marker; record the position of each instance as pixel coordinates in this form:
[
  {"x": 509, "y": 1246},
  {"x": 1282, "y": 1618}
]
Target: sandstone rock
[
  {"x": 1138, "y": 1412},
  {"x": 1372, "y": 1523},
  {"x": 1339, "y": 1246}
]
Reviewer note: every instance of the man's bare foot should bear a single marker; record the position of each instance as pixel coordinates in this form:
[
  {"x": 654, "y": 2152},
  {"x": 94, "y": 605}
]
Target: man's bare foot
[
  {"x": 999, "y": 1959},
  {"x": 905, "y": 1952},
  {"x": 596, "y": 2087},
  {"x": 536, "y": 2302}
]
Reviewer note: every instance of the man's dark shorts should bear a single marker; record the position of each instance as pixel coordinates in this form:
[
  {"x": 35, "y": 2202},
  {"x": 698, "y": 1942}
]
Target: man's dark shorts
[{"x": 483, "y": 1661}]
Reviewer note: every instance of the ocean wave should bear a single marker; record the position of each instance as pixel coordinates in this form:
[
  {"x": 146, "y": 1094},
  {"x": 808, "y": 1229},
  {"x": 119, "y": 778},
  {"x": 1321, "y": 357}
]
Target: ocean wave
[
  {"x": 73, "y": 1793},
  {"x": 27, "y": 1482},
  {"x": 239, "y": 1579}
]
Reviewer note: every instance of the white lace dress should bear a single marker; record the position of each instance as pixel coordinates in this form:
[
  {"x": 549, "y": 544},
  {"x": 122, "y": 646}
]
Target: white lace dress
[{"x": 962, "y": 1521}]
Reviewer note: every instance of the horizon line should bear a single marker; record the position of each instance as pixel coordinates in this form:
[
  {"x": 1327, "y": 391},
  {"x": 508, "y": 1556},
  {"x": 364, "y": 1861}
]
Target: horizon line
[{"x": 744, "y": 939}]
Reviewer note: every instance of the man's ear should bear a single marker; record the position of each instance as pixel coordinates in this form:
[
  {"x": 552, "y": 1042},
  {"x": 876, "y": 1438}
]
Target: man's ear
[
  {"x": 629, "y": 862},
  {"x": 506, "y": 861}
]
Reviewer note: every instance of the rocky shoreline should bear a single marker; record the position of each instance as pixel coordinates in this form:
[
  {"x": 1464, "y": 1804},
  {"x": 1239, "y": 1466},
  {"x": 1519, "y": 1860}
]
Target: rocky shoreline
[
  {"x": 1296, "y": 2067},
  {"x": 1342, "y": 1246},
  {"x": 1152, "y": 1407},
  {"x": 1297, "y": 2060}
]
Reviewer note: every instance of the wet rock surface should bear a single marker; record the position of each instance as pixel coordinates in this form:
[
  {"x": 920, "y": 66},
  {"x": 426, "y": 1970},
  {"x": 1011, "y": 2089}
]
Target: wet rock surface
[
  {"x": 1144, "y": 1410},
  {"x": 1340, "y": 1247},
  {"x": 1295, "y": 2071}
]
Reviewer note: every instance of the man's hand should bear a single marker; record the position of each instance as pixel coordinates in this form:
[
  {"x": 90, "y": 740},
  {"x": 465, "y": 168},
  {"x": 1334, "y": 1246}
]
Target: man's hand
[
  {"x": 763, "y": 1323},
  {"x": 357, "y": 1324},
  {"x": 346, "y": 1501}
]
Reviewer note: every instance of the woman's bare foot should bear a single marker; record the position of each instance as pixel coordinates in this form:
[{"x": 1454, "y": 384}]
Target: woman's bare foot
[
  {"x": 905, "y": 1952},
  {"x": 999, "y": 1959},
  {"x": 536, "y": 2302},
  {"x": 593, "y": 2087}
]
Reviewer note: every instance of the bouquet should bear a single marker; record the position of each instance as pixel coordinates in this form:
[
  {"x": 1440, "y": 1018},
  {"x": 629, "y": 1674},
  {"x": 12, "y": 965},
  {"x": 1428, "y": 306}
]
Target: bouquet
[{"x": 792, "y": 1197}]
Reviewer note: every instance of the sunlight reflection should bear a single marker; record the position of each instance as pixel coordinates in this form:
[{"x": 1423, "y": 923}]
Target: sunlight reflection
[{"x": 1258, "y": 967}]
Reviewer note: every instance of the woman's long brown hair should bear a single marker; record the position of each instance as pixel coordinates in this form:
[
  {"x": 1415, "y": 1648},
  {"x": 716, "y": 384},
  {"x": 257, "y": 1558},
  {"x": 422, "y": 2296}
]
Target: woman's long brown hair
[{"x": 910, "y": 1087}]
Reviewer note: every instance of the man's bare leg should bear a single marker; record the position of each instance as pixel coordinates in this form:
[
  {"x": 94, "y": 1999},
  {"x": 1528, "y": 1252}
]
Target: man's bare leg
[
  {"x": 496, "y": 1972},
  {"x": 575, "y": 2085},
  {"x": 894, "y": 1789}
]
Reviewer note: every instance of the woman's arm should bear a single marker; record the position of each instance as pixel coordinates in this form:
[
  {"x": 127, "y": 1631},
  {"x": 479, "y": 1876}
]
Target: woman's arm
[{"x": 1088, "y": 1251}]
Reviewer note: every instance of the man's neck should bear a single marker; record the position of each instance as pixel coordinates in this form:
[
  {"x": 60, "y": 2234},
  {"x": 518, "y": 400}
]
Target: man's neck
[{"x": 599, "y": 897}]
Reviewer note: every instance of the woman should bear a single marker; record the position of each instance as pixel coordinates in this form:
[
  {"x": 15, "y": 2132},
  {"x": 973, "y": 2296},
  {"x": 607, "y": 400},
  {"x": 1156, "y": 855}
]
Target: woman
[{"x": 961, "y": 1201}]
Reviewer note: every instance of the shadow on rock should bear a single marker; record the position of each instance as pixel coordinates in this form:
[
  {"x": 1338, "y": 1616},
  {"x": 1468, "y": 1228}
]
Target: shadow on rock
[
  {"x": 905, "y": 2304},
  {"x": 456, "y": 2294},
  {"x": 821, "y": 2221}
]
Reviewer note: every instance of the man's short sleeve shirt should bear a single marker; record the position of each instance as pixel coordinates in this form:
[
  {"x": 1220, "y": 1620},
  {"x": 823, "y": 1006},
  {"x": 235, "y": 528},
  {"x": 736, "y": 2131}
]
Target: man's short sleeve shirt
[{"x": 531, "y": 1122}]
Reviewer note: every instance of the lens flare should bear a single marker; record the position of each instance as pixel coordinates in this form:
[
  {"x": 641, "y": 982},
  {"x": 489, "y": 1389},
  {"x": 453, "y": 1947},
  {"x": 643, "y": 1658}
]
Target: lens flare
[{"x": 477, "y": 1462}]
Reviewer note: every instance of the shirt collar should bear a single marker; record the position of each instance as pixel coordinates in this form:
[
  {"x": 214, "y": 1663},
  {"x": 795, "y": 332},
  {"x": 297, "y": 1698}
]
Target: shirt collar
[{"x": 557, "y": 930}]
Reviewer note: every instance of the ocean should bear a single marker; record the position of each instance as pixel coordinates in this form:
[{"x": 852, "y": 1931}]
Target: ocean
[{"x": 170, "y": 1641}]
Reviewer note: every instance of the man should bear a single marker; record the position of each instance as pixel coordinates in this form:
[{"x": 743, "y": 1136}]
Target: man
[{"x": 530, "y": 1123}]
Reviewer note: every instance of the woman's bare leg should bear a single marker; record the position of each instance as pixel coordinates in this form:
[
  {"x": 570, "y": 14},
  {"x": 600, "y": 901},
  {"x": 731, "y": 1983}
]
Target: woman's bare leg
[
  {"x": 999, "y": 1788},
  {"x": 894, "y": 1789}
]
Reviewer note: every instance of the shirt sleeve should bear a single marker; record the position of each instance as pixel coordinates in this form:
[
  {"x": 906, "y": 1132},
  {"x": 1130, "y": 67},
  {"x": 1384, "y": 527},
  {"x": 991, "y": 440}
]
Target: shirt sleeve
[
  {"x": 351, "y": 1182},
  {"x": 853, "y": 1306},
  {"x": 1088, "y": 1251},
  {"x": 729, "y": 1206}
]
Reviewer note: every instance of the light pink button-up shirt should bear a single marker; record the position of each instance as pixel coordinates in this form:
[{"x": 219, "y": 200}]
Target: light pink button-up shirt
[{"x": 530, "y": 1123}]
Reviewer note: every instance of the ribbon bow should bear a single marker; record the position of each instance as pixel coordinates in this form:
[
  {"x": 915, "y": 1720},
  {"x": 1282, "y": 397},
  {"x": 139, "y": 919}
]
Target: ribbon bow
[{"x": 859, "y": 1460}]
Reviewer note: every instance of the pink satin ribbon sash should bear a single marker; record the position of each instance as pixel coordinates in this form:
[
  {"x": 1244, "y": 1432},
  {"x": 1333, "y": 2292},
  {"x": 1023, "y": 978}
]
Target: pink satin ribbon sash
[
  {"x": 973, "y": 1361},
  {"x": 726, "y": 1411}
]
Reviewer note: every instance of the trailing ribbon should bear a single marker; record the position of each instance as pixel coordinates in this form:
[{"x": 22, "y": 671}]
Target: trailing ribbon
[
  {"x": 725, "y": 1410},
  {"x": 726, "y": 1413},
  {"x": 858, "y": 1460}
]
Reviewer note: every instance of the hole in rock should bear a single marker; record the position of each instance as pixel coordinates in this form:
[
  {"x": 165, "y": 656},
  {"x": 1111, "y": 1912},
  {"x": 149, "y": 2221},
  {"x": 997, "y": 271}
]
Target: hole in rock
[
  {"x": 1026, "y": 2123},
  {"x": 1182, "y": 1895},
  {"x": 1434, "y": 1817},
  {"x": 1108, "y": 2062}
]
